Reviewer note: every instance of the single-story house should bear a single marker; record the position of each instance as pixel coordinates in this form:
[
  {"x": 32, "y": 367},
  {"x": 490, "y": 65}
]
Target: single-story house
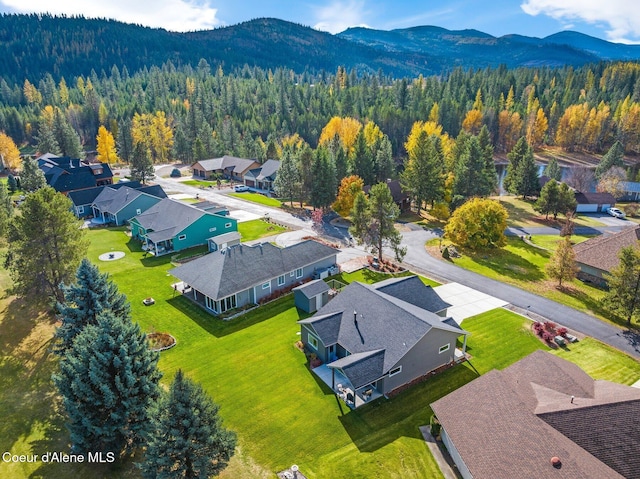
[
  {"x": 82, "y": 199},
  {"x": 372, "y": 343},
  {"x": 599, "y": 255},
  {"x": 170, "y": 226},
  {"x": 545, "y": 418},
  {"x": 311, "y": 296},
  {"x": 594, "y": 202},
  {"x": 66, "y": 174},
  {"x": 412, "y": 290},
  {"x": 241, "y": 275},
  {"x": 227, "y": 166},
  {"x": 263, "y": 177},
  {"x": 630, "y": 191},
  {"x": 400, "y": 197},
  {"x": 119, "y": 205}
]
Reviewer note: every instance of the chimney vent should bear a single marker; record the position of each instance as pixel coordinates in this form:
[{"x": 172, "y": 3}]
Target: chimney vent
[{"x": 555, "y": 462}]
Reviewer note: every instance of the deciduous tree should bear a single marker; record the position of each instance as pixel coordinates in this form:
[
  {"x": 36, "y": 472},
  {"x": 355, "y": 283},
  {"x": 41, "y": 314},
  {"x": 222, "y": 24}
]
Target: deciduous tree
[
  {"x": 106, "y": 146},
  {"x": 477, "y": 224},
  {"x": 9, "y": 153},
  {"x": 612, "y": 181},
  {"x": 562, "y": 264},
  {"x": 47, "y": 245},
  {"x": 349, "y": 188},
  {"x": 187, "y": 438}
]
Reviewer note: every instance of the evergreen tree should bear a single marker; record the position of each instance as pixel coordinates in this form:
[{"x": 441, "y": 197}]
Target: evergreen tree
[
  {"x": 562, "y": 264},
  {"x": 47, "y": 245},
  {"x": 522, "y": 172},
  {"x": 91, "y": 294},
  {"x": 141, "y": 164},
  {"x": 423, "y": 175},
  {"x": 47, "y": 142},
  {"x": 385, "y": 167},
  {"x": 66, "y": 137},
  {"x": 471, "y": 172},
  {"x": 552, "y": 170},
  {"x": 613, "y": 157},
  {"x": 12, "y": 184},
  {"x": 124, "y": 141},
  {"x": 623, "y": 297},
  {"x": 341, "y": 162},
  {"x": 6, "y": 209},
  {"x": 187, "y": 438},
  {"x": 108, "y": 380},
  {"x": 363, "y": 164},
  {"x": 288, "y": 181},
  {"x": 373, "y": 221},
  {"x": 323, "y": 187},
  {"x": 31, "y": 177},
  {"x": 490, "y": 174}
]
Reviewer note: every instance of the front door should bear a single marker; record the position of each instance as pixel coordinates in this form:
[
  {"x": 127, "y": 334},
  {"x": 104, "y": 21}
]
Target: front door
[{"x": 332, "y": 353}]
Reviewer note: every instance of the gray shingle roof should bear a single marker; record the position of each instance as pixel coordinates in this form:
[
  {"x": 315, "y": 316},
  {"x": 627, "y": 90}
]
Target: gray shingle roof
[
  {"x": 241, "y": 267},
  {"x": 238, "y": 165},
  {"x": 382, "y": 322},
  {"x": 602, "y": 251},
  {"x": 313, "y": 288},
  {"x": 113, "y": 200},
  {"x": 414, "y": 291},
  {"x": 268, "y": 169},
  {"x": 86, "y": 196},
  {"x": 167, "y": 218},
  {"x": 361, "y": 368},
  {"x": 504, "y": 435}
]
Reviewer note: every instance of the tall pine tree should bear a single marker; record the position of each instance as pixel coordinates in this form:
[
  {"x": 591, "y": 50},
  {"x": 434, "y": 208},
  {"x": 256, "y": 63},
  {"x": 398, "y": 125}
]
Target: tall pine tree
[
  {"x": 187, "y": 438},
  {"x": 613, "y": 157},
  {"x": 108, "y": 381},
  {"x": 31, "y": 177},
  {"x": 141, "y": 164}
]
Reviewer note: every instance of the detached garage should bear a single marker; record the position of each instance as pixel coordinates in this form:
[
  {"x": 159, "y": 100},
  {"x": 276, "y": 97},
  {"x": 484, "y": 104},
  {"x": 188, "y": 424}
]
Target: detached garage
[
  {"x": 311, "y": 296},
  {"x": 594, "y": 202}
]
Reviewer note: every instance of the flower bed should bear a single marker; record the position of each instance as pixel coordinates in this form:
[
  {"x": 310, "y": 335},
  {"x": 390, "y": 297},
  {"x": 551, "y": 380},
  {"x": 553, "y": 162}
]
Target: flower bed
[{"x": 161, "y": 341}]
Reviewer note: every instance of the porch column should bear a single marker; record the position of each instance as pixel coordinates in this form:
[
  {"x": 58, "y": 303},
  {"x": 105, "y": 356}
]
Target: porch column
[
  {"x": 464, "y": 345},
  {"x": 333, "y": 379}
]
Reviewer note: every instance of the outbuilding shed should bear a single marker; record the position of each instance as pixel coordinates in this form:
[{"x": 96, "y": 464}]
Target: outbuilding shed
[{"x": 311, "y": 296}]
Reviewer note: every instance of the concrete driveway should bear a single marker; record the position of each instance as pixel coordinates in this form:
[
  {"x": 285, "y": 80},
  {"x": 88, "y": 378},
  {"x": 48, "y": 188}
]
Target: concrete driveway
[
  {"x": 466, "y": 302},
  {"x": 608, "y": 219}
]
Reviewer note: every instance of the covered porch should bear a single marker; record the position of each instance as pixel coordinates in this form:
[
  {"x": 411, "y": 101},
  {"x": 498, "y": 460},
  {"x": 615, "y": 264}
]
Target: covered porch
[
  {"x": 343, "y": 388},
  {"x": 159, "y": 248}
]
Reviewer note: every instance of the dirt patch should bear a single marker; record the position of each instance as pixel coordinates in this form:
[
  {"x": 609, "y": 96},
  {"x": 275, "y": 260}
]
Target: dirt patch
[{"x": 161, "y": 341}]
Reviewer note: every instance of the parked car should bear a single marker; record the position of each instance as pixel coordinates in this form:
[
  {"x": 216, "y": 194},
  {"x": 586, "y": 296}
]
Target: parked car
[
  {"x": 240, "y": 188},
  {"x": 615, "y": 212}
]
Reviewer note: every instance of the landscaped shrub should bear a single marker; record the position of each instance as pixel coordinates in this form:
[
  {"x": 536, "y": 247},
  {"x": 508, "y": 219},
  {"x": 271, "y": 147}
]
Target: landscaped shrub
[
  {"x": 440, "y": 211},
  {"x": 445, "y": 253},
  {"x": 435, "y": 425},
  {"x": 547, "y": 336},
  {"x": 631, "y": 209},
  {"x": 549, "y": 325},
  {"x": 537, "y": 326},
  {"x": 175, "y": 173},
  {"x": 562, "y": 331}
]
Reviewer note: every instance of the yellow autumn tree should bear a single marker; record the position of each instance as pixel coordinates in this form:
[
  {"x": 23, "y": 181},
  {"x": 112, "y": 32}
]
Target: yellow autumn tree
[
  {"x": 31, "y": 93},
  {"x": 537, "y": 127},
  {"x": 431, "y": 128},
  {"x": 372, "y": 133},
  {"x": 9, "y": 153},
  {"x": 350, "y": 186},
  {"x": 472, "y": 122},
  {"x": 347, "y": 130},
  {"x": 571, "y": 126},
  {"x": 154, "y": 132},
  {"x": 106, "y": 146},
  {"x": 509, "y": 129}
]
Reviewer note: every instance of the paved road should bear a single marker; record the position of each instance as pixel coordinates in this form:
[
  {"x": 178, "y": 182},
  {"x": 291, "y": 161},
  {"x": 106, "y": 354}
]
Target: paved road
[{"x": 417, "y": 258}]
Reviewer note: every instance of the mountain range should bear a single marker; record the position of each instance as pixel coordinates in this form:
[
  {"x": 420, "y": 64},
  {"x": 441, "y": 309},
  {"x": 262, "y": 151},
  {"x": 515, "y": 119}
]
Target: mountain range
[{"x": 33, "y": 45}]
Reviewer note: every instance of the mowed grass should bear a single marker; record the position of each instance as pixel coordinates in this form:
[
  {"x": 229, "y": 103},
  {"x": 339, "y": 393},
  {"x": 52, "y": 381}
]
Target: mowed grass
[
  {"x": 367, "y": 276},
  {"x": 258, "y": 198},
  {"x": 521, "y": 213},
  {"x": 255, "y": 229}
]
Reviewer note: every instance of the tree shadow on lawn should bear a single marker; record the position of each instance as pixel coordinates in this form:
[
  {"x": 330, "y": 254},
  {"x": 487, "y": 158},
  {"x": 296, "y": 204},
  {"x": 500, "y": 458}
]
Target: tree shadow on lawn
[
  {"x": 509, "y": 264},
  {"x": 219, "y": 327},
  {"x": 591, "y": 304},
  {"x": 382, "y": 421}
]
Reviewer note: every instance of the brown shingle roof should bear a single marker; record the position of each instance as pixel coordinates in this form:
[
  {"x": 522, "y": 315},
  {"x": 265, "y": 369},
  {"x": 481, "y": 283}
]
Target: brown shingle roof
[
  {"x": 602, "y": 251},
  {"x": 493, "y": 424},
  {"x": 595, "y": 198}
]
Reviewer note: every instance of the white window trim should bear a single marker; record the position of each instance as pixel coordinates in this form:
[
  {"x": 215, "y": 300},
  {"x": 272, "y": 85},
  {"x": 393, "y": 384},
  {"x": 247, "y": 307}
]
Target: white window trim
[
  {"x": 182, "y": 237},
  {"x": 80, "y": 209},
  {"x": 395, "y": 371},
  {"x": 211, "y": 230},
  {"x": 292, "y": 274},
  {"x": 281, "y": 280},
  {"x": 266, "y": 285},
  {"x": 227, "y": 225},
  {"x": 444, "y": 348},
  {"x": 138, "y": 211},
  {"x": 301, "y": 273},
  {"x": 311, "y": 339}
]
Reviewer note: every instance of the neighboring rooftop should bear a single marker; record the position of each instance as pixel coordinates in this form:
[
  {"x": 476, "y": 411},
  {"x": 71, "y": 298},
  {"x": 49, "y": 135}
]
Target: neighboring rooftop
[
  {"x": 538, "y": 408},
  {"x": 414, "y": 291},
  {"x": 602, "y": 251},
  {"x": 313, "y": 288},
  {"x": 237, "y": 165},
  {"x": 595, "y": 198}
]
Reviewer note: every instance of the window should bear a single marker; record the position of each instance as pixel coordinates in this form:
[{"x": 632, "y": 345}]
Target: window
[
  {"x": 313, "y": 341},
  {"x": 281, "y": 280},
  {"x": 266, "y": 285},
  {"x": 227, "y": 303},
  {"x": 80, "y": 209},
  {"x": 227, "y": 225},
  {"x": 444, "y": 348},
  {"x": 299, "y": 273},
  {"x": 395, "y": 371},
  {"x": 211, "y": 230},
  {"x": 138, "y": 211},
  {"x": 292, "y": 274},
  {"x": 182, "y": 237}
]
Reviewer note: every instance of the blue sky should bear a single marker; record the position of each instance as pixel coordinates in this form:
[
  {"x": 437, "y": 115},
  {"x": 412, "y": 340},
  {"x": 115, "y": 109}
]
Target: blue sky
[{"x": 614, "y": 20}]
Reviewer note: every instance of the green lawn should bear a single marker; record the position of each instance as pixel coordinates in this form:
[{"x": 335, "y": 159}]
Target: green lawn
[
  {"x": 254, "y": 229},
  {"x": 203, "y": 183},
  {"x": 367, "y": 276},
  {"x": 258, "y": 198},
  {"x": 252, "y": 369},
  {"x": 521, "y": 213},
  {"x": 522, "y": 265}
]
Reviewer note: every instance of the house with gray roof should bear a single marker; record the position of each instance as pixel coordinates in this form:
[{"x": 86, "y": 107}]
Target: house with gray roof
[
  {"x": 311, "y": 296},
  {"x": 373, "y": 343},
  {"x": 599, "y": 255},
  {"x": 262, "y": 178},
  {"x": 540, "y": 411},
  {"x": 171, "y": 226},
  {"x": 118, "y": 205},
  {"x": 227, "y": 166},
  {"x": 65, "y": 174},
  {"x": 412, "y": 290},
  {"x": 241, "y": 275}
]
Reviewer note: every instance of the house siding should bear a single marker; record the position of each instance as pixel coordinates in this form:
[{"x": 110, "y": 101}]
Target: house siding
[
  {"x": 86, "y": 211},
  {"x": 198, "y": 232},
  {"x": 321, "y": 352},
  {"x": 455, "y": 455},
  {"x": 422, "y": 358}
]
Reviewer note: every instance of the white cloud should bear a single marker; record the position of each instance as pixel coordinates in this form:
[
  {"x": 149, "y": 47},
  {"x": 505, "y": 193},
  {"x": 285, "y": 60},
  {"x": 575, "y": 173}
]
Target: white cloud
[
  {"x": 174, "y": 15},
  {"x": 621, "y": 16},
  {"x": 340, "y": 15}
]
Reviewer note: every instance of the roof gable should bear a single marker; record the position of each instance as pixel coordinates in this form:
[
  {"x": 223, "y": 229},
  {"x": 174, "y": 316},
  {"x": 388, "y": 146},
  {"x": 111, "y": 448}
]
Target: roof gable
[
  {"x": 413, "y": 291},
  {"x": 602, "y": 251}
]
